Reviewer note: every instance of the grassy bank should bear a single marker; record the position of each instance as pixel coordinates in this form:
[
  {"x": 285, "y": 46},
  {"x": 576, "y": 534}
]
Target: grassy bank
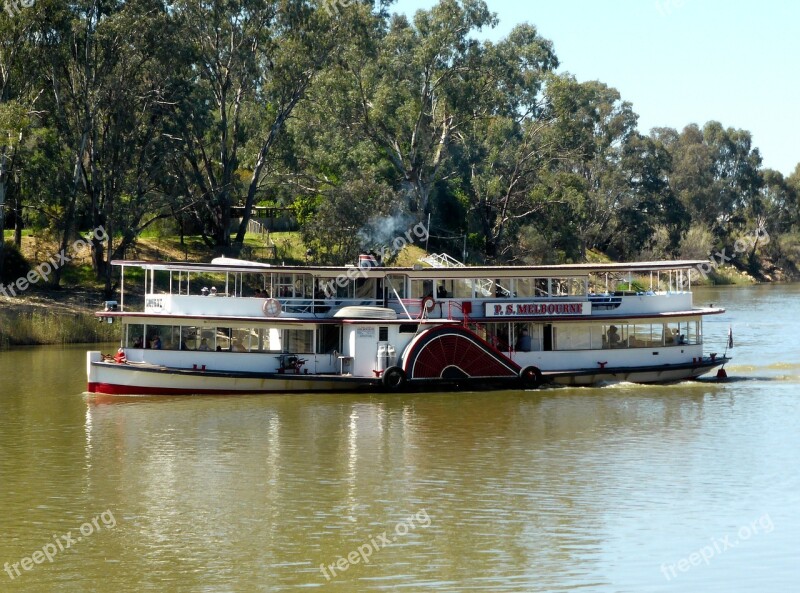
[{"x": 39, "y": 319}]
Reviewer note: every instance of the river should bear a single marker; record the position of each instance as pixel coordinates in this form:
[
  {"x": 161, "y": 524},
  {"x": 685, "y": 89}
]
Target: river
[{"x": 687, "y": 487}]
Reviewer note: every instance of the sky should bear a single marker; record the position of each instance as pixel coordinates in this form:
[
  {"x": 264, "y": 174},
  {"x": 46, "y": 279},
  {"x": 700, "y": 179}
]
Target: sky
[{"x": 679, "y": 61}]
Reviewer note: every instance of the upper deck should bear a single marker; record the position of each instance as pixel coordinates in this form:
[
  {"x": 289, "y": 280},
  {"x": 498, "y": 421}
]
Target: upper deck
[{"x": 229, "y": 288}]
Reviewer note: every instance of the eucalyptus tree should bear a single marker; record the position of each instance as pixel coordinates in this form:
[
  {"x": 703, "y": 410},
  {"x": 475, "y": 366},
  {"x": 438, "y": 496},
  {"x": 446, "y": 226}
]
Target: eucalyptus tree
[
  {"x": 716, "y": 174},
  {"x": 111, "y": 87},
  {"x": 592, "y": 124},
  {"x": 416, "y": 87},
  {"x": 510, "y": 142},
  {"x": 253, "y": 61},
  {"x": 17, "y": 97}
]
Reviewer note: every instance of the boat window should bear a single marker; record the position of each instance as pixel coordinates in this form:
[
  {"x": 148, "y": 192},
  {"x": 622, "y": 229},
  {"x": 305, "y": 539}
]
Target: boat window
[
  {"x": 577, "y": 286},
  {"x": 223, "y": 336},
  {"x": 135, "y": 336},
  {"x": 408, "y": 328},
  {"x": 171, "y": 338},
  {"x": 298, "y": 341},
  {"x": 241, "y": 340},
  {"x": 541, "y": 288},
  {"x": 365, "y": 289},
  {"x": 268, "y": 340},
  {"x": 523, "y": 287},
  {"x": 383, "y": 334},
  {"x": 693, "y": 332},
  {"x": 614, "y": 335},
  {"x": 527, "y": 337},
  {"x": 559, "y": 287},
  {"x": 572, "y": 336},
  {"x": 421, "y": 288},
  {"x": 645, "y": 336},
  {"x": 396, "y": 283},
  {"x": 497, "y": 334},
  {"x": 462, "y": 288}
]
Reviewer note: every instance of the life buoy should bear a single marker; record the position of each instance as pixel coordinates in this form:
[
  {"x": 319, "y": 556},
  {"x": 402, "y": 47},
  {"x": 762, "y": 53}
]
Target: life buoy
[
  {"x": 428, "y": 303},
  {"x": 530, "y": 377},
  {"x": 394, "y": 378},
  {"x": 271, "y": 307}
]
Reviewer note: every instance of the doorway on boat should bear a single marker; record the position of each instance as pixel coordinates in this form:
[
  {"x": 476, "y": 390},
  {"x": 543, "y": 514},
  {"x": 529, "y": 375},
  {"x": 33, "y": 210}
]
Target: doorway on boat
[
  {"x": 329, "y": 339},
  {"x": 547, "y": 337}
]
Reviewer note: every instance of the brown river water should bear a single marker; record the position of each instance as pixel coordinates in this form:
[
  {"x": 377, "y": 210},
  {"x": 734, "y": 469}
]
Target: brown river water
[{"x": 686, "y": 487}]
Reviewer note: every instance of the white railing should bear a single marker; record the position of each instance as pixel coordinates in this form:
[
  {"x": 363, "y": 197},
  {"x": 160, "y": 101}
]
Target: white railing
[{"x": 442, "y": 260}]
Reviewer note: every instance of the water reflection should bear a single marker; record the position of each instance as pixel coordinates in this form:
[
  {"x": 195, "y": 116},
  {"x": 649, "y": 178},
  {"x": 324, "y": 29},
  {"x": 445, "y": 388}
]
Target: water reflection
[{"x": 519, "y": 482}]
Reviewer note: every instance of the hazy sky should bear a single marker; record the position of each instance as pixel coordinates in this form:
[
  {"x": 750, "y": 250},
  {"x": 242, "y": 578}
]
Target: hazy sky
[{"x": 680, "y": 61}]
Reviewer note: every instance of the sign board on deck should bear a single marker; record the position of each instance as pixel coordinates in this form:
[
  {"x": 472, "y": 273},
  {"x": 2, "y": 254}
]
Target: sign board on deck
[{"x": 506, "y": 309}]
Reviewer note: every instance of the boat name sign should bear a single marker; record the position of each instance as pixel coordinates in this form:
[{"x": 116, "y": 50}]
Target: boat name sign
[{"x": 534, "y": 309}]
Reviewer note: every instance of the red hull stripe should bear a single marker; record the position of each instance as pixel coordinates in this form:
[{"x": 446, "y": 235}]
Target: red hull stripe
[{"x": 113, "y": 389}]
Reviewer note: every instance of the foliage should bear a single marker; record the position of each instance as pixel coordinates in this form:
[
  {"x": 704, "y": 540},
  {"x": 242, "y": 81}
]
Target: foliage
[{"x": 175, "y": 118}]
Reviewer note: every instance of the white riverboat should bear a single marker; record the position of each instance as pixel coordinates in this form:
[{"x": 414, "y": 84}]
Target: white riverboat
[{"x": 233, "y": 326}]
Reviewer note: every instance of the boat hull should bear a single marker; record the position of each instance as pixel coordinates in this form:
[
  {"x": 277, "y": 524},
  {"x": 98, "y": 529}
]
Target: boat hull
[
  {"x": 654, "y": 374},
  {"x": 111, "y": 378}
]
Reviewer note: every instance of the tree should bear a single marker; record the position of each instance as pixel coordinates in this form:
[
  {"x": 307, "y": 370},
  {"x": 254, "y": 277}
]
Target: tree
[
  {"x": 247, "y": 54},
  {"x": 420, "y": 86}
]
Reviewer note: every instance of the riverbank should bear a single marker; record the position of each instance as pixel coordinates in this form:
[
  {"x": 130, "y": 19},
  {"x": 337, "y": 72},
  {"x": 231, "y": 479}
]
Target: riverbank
[{"x": 53, "y": 317}]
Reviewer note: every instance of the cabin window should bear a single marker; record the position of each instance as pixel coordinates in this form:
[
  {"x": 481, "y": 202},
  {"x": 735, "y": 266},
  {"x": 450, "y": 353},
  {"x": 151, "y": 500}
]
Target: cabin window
[
  {"x": 171, "y": 338},
  {"x": 421, "y": 288},
  {"x": 135, "y": 336},
  {"x": 541, "y": 287},
  {"x": 266, "y": 340},
  {"x": 365, "y": 289},
  {"x": 559, "y": 287},
  {"x": 408, "y": 328},
  {"x": 577, "y": 286},
  {"x": 523, "y": 287},
  {"x": 462, "y": 288},
  {"x": 573, "y": 336},
  {"x": 527, "y": 337},
  {"x": 241, "y": 340},
  {"x": 497, "y": 334},
  {"x": 298, "y": 340},
  {"x": 383, "y": 334},
  {"x": 502, "y": 288},
  {"x": 614, "y": 335},
  {"x": 396, "y": 284},
  {"x": 645, "y": 336}
]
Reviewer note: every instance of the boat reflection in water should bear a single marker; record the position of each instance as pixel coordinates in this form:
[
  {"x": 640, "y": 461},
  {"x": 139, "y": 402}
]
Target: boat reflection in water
[{"x": 519, "y": 483}]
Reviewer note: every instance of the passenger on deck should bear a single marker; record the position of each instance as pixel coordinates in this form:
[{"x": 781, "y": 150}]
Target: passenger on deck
[
  {"x": 204, "y": 345},
  {"x": 441, "y": 292},
  {"x": 613, "y": 337},
  {"x": 156, "y": 343},
  {"x": 524, "y": 342},
  {"x": 236, "y": 346}
]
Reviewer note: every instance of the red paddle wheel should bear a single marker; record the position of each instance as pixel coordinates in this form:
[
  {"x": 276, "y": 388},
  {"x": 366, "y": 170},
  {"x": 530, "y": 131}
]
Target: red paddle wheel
[{"x": 454, "y": 352}]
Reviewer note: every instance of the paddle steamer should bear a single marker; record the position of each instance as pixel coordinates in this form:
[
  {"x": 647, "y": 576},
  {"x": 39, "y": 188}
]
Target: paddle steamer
[{"x": 232, "y": 326}]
